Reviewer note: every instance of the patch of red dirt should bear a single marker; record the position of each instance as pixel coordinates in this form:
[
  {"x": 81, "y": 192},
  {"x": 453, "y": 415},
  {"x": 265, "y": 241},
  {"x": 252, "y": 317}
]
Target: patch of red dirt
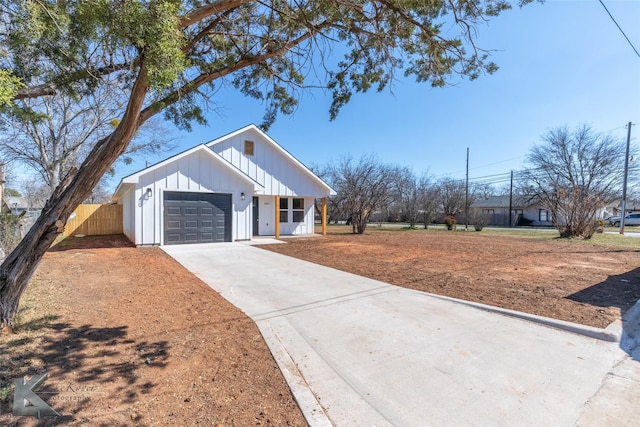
[
  {"x": 568, "y": 280},
  {"x": 132, "y": 338}
]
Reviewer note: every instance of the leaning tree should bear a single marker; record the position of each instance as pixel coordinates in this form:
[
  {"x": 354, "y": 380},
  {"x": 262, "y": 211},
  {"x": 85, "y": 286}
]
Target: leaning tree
[{"x": 172, "y": 56}]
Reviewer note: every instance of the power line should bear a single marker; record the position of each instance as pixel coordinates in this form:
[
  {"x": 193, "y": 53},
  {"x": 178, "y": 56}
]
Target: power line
[
  {"x": 615, "y": 22},
  {"x": 490, "y": 164}
]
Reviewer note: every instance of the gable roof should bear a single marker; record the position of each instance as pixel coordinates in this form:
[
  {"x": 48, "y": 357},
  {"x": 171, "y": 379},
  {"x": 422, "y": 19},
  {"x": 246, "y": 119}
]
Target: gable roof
[
  {"x": 295, "y": 162},
  {"x": 130, "y": 180}
]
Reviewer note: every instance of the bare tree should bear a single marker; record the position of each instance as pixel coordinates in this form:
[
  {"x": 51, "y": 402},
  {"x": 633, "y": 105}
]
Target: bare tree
[
  {"x": 573, "y": 174},
  {"x": 36, "y": 193},
  {"x": 52, "y": 135},
  {"x": 479, "y": 219},
  {"x": 479, "y": 191},
  {"x": 451, "y": 195},
  {"x": 100, "y": 194},
  {"x": 429, "y": 200},
  {"x": 406, "y": 190},
  {"x": 362, "y": 187}
]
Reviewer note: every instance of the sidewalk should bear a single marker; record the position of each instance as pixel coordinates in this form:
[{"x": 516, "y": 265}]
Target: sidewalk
[{"x": 357, "y": 352}]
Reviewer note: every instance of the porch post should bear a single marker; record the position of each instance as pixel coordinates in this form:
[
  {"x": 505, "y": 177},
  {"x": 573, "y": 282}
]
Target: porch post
[
  {"x": 277, "y": 217},
  {"x": 324, "y": 216}
]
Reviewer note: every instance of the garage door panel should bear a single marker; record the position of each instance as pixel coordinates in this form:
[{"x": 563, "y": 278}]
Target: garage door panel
[
  {"x": 173, "y": 225},
  {"x": 191, "y": 237},
  {"x": 197, "y": 217},
  {"x": 173, "y": 210},
  {"x": 172, "y": 237}
]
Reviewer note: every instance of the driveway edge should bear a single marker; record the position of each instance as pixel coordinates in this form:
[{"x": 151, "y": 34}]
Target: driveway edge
[
  {"x": 309, "y": 405},
  {"x": 613, "y": 332}
]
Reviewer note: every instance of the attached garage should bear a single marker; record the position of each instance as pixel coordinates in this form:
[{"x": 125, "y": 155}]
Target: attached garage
[
  {"x": 233, "y": 188},
  {"x": 196, "y": 217}
]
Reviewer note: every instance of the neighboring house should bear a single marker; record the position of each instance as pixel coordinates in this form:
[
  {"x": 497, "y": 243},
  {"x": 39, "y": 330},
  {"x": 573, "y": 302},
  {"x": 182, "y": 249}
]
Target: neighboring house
[
  {"x": 27, "y": 212},
  {"x": 17, "y": 205},
  {"x": 240, "y": 185},
  {"x": 498, "y": 208},
  {"x": 615, "y": 208}
]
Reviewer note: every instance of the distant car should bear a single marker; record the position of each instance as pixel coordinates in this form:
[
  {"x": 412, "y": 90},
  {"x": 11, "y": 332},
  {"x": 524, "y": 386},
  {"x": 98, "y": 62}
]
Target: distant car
[{"x": 631, "y": 219}]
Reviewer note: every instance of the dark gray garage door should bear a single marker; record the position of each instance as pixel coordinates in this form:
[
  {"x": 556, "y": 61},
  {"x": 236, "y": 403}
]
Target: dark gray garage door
[{"x": 196, "y": 218}]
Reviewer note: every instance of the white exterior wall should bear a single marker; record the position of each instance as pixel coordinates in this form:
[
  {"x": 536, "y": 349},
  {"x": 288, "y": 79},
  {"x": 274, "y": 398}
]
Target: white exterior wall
[
  {"x": 267, "y": 217},
  {"x": 268, "y": 166},
  {"x": 309, "y": 216},
  {"x": 532, "y": 213},
  {"x": 529, "y": 212},
  {"x": 128, "y": 215},
  {"x": 197, "y": 172}
]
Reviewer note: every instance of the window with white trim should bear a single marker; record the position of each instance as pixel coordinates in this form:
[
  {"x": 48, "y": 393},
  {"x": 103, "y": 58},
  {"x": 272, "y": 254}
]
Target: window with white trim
[
  {"x": 284, "y": 209},
  {"x": 298, "y": 210},
  {"x": 544, "y": 215}
]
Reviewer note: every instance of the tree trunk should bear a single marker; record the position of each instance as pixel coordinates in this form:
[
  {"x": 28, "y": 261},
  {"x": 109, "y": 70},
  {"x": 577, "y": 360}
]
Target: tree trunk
[
  {"x": 19, "y": 266},
  {"x": 359, "y": 221}
]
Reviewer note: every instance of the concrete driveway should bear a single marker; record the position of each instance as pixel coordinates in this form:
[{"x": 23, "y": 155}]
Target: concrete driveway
[{"x": 358, "y": 352}]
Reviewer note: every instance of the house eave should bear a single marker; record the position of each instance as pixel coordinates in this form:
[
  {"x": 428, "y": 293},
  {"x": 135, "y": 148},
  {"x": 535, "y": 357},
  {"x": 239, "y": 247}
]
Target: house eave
[{"x": 134, "y": 178}]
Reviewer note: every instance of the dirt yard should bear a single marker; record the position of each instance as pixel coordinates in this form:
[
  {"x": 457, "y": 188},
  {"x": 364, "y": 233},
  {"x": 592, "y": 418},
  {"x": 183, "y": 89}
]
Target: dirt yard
[
  {"x": 568, "y": 280},
  {"x": 128, "y": 337}
]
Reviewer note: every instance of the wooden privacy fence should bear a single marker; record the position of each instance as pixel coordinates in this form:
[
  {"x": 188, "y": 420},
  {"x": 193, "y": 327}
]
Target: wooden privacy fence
[{"x": 95, "y": 220}]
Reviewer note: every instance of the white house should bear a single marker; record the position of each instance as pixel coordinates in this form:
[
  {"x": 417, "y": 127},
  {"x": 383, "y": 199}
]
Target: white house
[
  {"x": 521, "y": 209},
  {"x": 240, "y": 185}
]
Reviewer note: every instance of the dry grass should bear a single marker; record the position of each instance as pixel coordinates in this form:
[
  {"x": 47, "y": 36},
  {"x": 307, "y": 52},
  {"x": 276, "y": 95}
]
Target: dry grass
[{"x": 37, "y": 310}]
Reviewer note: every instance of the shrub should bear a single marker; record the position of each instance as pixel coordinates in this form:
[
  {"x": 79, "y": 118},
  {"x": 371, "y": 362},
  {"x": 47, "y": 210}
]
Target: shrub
[
  {"x": 479, "y": 219},
  {"x": 9, "y": 233},
  {"x": 450, "y": 221}
]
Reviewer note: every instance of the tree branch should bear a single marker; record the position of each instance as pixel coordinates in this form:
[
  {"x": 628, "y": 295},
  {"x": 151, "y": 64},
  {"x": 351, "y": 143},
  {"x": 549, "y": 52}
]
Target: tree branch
[
  {"x": 202, "y": 79},
  {"x": 203, "y": 12},
  {"x": 45, "y": 89},
  {"x": 49, "y": 89}
]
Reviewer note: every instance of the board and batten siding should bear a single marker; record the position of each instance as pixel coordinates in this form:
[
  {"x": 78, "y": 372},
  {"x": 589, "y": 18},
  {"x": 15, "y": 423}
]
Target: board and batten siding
[
  {"x": 268, "y": 166},
  {"x": 267, "y": 218},
  {"x": 128, "y": 215},
  {"x": 197, "y": 172}
]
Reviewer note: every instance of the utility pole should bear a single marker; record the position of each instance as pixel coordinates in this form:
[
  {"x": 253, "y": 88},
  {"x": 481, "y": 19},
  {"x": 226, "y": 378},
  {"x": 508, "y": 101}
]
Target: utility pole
[
  {"x": 466, "y": 196},
  {"x": 624, "y": 182},
  {"x": 511, "y": 201}
]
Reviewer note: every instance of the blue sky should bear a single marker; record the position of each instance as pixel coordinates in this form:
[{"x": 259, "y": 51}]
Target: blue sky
[{"x": 561, "y": 63}]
